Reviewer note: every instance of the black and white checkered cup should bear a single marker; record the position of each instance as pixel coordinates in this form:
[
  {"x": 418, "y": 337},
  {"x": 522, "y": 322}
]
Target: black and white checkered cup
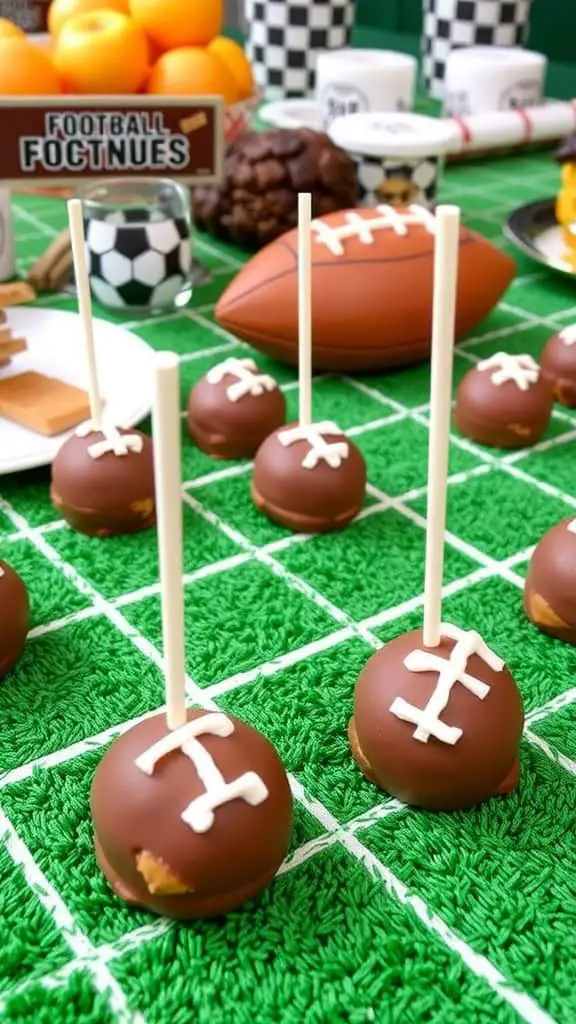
[
  {"x": 352, "y": 81},
  {"x": 284, "y": 38},
  {"x": 482, "y": 79},
  {"x": 138, "y": 244},
  {"x": 398, "y": 156},
  {"x": 449, "y": 24}
]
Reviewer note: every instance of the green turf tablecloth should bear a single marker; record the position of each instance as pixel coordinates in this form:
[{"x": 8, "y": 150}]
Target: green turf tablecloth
[{"x": 382, "y": 914}]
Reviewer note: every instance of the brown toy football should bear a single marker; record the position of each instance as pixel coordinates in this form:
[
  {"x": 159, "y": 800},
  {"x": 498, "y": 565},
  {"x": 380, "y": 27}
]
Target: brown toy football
[{"x": 371, "y": 290}]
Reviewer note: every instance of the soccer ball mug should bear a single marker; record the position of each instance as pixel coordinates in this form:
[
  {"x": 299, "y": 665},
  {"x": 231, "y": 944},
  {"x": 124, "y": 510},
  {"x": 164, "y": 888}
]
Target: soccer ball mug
[{"x": 138, "y": 244}]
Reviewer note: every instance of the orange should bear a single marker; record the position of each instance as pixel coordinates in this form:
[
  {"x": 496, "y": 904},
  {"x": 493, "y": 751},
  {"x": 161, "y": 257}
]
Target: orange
[
  {"x": 174, "y": 23},
  {"x": 25, "y": 70},
  {"x": 60, "y": 11},
  {"x": 8, "y": 30},
  {"x": 102, "y": 53},
  {"x": 237, "y": 62},
  {"x": 192, "y": 71}
]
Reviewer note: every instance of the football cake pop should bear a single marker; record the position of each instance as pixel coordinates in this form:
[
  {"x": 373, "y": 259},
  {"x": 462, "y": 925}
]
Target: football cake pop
[
  {"x": 437, "y": 715},
  {"x": 192, "y": 809},
  {"x": 233, "y": 408},
  {"x": 103, "y": 480},
  {"x": 102, "y": 476},
  {"x": 14, "y": 617},
  {"x": 308, "y": 476},
  {"x": 504, "y": 402},
  {"x": 550, "y": 590},
  {"x": 558, "y": 365}
]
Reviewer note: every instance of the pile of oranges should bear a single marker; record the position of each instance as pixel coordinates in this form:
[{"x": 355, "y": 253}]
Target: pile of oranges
[{"x": 114, "y": 47}]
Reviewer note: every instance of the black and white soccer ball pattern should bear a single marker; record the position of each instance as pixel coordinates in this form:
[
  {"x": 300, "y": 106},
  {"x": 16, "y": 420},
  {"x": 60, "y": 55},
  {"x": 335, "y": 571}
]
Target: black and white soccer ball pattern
[{"x": 134, "y": 262}]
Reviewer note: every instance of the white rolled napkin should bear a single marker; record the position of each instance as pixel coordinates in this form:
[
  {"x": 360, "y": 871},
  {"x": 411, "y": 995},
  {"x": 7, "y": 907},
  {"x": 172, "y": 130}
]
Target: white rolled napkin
[
  {"x": 482, "y": 79},
  {"x": 352, "y": 81}
]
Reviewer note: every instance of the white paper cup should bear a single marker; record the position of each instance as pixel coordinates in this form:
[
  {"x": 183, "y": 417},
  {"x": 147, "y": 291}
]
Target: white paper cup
[
  {"x": 399, "y": 156},
  {"x": 284, "y": 39},
  {"x": 450, "y": 24},
  {"x": 481, "y": 79},
  {"x": 352, "y": 81}
]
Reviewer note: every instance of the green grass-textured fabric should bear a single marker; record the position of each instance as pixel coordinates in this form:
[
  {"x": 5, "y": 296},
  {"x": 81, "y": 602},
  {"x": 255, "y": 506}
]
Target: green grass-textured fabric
[{"x": 380, "y": 914}]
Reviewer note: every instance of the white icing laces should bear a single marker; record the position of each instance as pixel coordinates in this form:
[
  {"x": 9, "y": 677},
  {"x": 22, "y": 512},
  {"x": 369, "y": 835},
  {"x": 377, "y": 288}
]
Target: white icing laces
[
  {"x": 450, "y": 671},
  {"x": 2, "y": 573},
  {"x": 522, "y": 370},
  {"x": 248, "y": 381},
  {"x": 332, "y": 453},
  {"x": 199, "y": 814},
  {"x": 568, "y": 335},
  {"x": 112, "y": 440},
  {"x": 571, "y": 528},
  {"x": 387, "y": 218}
]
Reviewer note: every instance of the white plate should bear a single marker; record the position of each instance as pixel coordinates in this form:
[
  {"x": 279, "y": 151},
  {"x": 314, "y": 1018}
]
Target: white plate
[{"x": 55, "y": 348}]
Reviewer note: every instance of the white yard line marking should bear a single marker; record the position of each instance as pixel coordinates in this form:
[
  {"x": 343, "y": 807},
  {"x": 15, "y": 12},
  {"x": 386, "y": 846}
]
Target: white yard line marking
[
  {"x": 44, "y": 230},
  {"x": 66, "y": 925},
  {"x": 204, "y": 353},
  {"x": 56, "y": 524},
  {"x": 478, "y": 964},
  {"x": 564, "y": 700},
  {"x": 291, "y": 579},
  {"x": 551, "y": 752}
]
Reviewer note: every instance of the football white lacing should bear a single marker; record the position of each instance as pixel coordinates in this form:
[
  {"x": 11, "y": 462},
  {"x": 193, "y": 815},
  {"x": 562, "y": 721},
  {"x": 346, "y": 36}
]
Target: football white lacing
[
  {"x": 387, "y": 218},
  {"x": 522, "y": 370}
]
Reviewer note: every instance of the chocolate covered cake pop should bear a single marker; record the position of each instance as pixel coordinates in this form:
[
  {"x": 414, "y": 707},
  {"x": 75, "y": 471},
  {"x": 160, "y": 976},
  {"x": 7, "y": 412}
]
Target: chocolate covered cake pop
[
  {"x": 558, "y": 365},
  {"x": 233, "y": 409},
  {"x": 14, "y": 617},
  {"x": 310, "y": 479},
  {"x": 103, "y": 481},
  {"x": 191, "y": 822},
  {"x": 504, "y": 402},
  {"x": 438, "y": 727},
  {"x": 550, "y": 590}
]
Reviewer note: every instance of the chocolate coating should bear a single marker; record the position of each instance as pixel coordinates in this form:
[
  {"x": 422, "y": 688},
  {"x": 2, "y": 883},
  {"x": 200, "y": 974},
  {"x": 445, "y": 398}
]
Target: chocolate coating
[
  {"x": 433, "y": 774},
  {"x": 232, "y": 430},
  {"x": 558, "y": 363},
  {"x": 110, "y": 495},
  {"x": 137, "y": 821},
  {"x": 307, "y": 500},
  {"x": 550, "y": 590},
  {"x": 502, "y": 415},
  {"x": 14, "y": 617}
]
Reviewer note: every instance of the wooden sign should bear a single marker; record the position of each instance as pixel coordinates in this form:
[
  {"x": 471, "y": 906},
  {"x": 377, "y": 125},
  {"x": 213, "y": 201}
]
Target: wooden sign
[
  {"x": 57, "y": 140},
  {"x": 31, "y": 15}
]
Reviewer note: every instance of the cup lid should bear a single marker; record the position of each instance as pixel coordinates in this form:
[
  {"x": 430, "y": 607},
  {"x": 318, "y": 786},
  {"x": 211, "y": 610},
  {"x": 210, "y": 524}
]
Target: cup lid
[
  {"x": 367, "y": 58},
  {"x": 506, "y": 56},
  {"x": 393, "y": 134},
  {"x": 292, "y": 113}
]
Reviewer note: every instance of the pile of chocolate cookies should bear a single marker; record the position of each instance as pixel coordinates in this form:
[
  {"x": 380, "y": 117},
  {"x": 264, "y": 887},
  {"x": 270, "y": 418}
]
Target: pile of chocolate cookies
[{"x": 264, "y": 171}]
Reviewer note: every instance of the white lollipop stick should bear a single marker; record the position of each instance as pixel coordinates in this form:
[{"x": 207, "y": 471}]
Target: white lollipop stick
[
  {"x": 304, "y": 309},
  {"x": 443, "y": 317},
  {"x": 166, "y": 441},
  {"x": 85, "y": 306}
]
